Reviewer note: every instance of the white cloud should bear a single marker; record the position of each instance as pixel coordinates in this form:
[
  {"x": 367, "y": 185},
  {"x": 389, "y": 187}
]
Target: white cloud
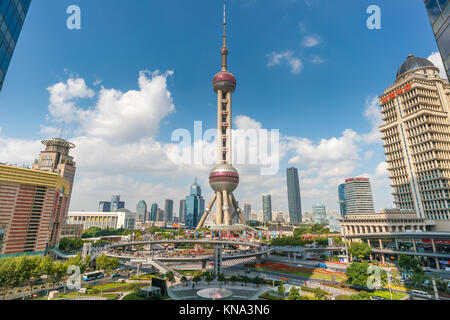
[
  {"x": 118, "y": 150},
  {"x": 311, "y": 41},
  {"x": 116, "y": 115},
  {"x": 374, "y": 116},
  {"x": 295, "y": 64},
  {"x": 318, "y": 60},
  {"x": 49, "y": 131},
  {"x": 244, "y": 123},
  {"x": 130, "y": 115},
  {"x": 62, "y": 107},
  {"x": 18, "y": 151},
  {"x": 436, "y": 59}
]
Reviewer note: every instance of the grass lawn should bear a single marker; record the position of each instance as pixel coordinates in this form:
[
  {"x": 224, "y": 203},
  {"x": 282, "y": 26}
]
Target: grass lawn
[
  {"x": 191, "y": 273},
  {"x": 267, "y": 296},
  {"x": 111, "y": 296},
  {"x": 116, "y": 286},
  {"x": 312, "y": 275},
  {"x": 387, "y": 295},
  {"x": 134, "y": 296},
  {"x": 144, "y": 277}
]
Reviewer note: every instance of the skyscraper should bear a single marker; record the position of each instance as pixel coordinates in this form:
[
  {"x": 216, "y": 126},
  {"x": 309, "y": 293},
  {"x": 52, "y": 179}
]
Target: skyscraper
[
  {"x": 116, "y": 204},
  {"x": 224, "y": 178},
  {"x": 12, "y": 18},
  {"x": 33, "y": 207},
  {"x": 154, "y": 212},
  {"x": 194, "y": 206},
  {"x": 247, "y": 211},
  {"x": 141, "y": 211},
  {"x": 416, "y": 134},
  {"x": 159, "y": 215},
  {"x": 168, "y": 210},
  {"x": 111, "y": 206},
  {"x": 182, "y": 210},
  {"x": 294, "y": 200},
  {"x": 342, "y": 205},
  {"x": 358, "y": 196},
  {"x": 267, "y": 208},
  {"x": 439, "y": 14},
  {"x": 319, "y": 214}
]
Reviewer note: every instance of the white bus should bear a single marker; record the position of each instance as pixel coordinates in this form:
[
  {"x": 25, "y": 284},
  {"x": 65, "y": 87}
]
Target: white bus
[
  {"x": 93, "y": 276},
  {"x": 421, "y": 294}
]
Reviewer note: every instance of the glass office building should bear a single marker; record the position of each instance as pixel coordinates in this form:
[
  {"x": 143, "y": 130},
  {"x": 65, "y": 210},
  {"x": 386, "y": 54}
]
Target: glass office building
[
  {"x": 319, "y": 214},
  {"x": 195, "y": 206},
  {"x": 154, "y": 212},
  {"x": 342, "y": 205},
  {"x": 294, "y": 200},
  {"x": 141, "y": 211},
  {"x": 267, "y": 208},
  {"x": 12, "y": 17},
  {"x": 439, "y": 12}
]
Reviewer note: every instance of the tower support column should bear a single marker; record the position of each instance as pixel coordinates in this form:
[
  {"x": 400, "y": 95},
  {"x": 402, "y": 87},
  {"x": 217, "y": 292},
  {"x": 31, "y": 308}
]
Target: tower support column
[
  {"x": 226, "y": 208},
  {"x": 219, "y": 216}
]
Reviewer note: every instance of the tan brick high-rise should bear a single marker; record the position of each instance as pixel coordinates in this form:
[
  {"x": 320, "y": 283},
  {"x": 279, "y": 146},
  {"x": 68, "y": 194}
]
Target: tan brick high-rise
[{"x": 416, "y": 138}]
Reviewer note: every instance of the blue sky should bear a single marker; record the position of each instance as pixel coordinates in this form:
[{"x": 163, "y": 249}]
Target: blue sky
[{"x": 310, "y": 68}]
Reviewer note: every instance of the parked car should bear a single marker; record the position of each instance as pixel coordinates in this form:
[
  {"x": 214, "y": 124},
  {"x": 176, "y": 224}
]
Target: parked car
[
  {"x": 321, "y": 265},
  {"x": 426, "y": 269}
]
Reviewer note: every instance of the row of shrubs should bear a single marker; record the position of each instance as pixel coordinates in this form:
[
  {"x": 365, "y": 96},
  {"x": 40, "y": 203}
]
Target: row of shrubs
[{"x": 43, "y": 286}]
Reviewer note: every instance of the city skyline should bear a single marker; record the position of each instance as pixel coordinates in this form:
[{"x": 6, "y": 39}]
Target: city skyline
[{"x": 324, "y": 155}]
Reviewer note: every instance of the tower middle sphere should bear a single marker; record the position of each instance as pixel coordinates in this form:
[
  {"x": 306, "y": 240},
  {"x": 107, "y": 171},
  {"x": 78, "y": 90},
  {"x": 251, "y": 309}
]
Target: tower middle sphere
[
  {"x": 224, "y": 177},
  {"x": 224, "y": 81}
]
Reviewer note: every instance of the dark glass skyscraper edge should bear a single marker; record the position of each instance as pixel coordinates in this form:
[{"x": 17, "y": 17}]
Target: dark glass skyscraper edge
[{"x": 12, "y": 18}]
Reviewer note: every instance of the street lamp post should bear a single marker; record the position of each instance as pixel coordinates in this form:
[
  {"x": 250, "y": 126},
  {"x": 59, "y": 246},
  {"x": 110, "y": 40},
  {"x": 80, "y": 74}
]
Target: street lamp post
[{"x": 389, "y": 281}]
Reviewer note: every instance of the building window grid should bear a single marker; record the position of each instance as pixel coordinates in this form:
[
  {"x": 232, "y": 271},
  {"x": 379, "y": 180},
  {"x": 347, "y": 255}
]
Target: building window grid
[{"x": 12, "y": 18}]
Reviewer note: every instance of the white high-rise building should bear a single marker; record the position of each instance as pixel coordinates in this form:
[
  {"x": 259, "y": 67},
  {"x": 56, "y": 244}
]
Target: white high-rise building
[
  {"x": 358, "y": 196},
  {"x": 416, "y": 135}
]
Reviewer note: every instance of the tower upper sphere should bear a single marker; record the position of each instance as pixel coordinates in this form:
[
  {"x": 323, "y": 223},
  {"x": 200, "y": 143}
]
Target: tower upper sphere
[{"x": 224, "y": 80}]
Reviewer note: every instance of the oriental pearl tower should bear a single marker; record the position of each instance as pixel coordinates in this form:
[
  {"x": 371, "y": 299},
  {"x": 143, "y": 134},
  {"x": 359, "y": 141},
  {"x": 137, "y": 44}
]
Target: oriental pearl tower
[{"x": 224, "y": 178}]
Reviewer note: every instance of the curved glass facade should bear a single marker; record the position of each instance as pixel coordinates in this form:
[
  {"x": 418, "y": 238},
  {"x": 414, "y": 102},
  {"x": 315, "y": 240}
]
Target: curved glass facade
[
  {"x": 439, "y": 13},
  {"x": 12, "y": 17}
]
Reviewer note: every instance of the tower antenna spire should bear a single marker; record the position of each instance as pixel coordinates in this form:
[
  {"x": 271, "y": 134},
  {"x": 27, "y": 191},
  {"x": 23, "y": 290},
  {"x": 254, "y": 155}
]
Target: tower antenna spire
[
  {"x": 224, "y": 26},
  {"x": 224, "y": 50}
]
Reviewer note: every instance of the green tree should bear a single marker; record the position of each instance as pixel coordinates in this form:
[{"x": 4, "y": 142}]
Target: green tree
[
  {"x": 107, "y": 264},
  {"x": 183, "y": 279},
  {"x": 281, "y": 289},
  {"x": 58, "y": 271},
  {"x": 257, "y": 280},
  {"x": 221, "y": 278},
  {"x": 360, "y": 296},
  {"x": 320, "y": 294},
  {"x": 170, "y": 276},
  {"x": 294, "y": 293},
  {"x": 197, "y": 279},
  {"x": 409, "y": 264},
  {"x": 360, "y": 250},
  {"x": 28, "y": 270},
  {"x": 8, "y": 276},
  {"x": 357, "y": 273}
]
